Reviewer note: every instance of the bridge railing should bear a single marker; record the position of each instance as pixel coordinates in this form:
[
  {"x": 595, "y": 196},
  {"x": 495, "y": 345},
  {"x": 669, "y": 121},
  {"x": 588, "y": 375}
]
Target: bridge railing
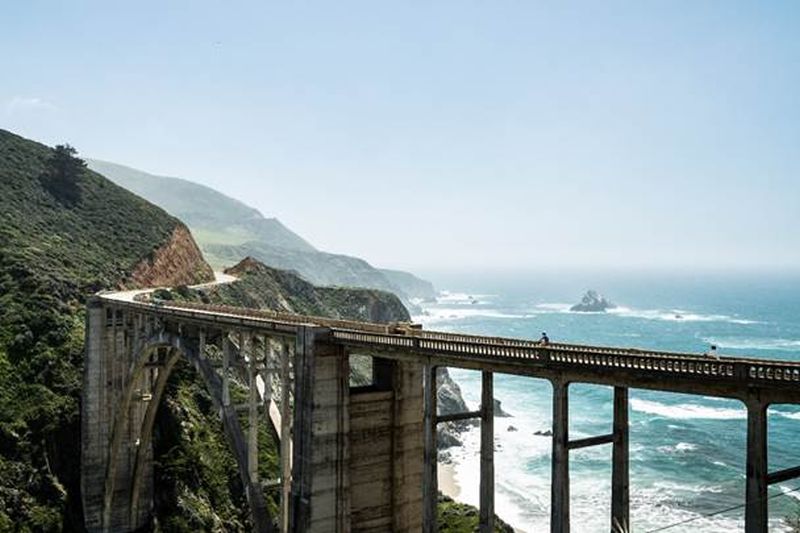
[
  {"x": 577, "y": 356},
  {"x": 410, "y": 337}
]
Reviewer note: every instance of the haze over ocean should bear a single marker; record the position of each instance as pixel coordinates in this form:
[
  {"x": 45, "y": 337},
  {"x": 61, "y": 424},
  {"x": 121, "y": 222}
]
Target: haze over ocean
[{"x": 687, "y": 452}]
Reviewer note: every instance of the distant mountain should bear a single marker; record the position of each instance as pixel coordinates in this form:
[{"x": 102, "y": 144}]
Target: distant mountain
[
  {"x": 227, "y": 230},
  {"x": 213, "y": 217}
]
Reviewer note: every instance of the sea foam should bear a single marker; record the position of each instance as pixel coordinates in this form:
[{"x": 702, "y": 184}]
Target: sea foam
[{"x": 686, "y": 411}]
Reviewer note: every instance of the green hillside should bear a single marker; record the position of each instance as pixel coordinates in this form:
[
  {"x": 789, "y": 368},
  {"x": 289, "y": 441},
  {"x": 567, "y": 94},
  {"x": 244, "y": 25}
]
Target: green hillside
[
  {"x": 65, "y": 232},
  {"x": 228, "y": 230}
]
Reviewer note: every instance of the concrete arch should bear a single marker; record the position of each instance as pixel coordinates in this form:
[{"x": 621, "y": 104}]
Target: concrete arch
[{"x": 174, "y": 347}]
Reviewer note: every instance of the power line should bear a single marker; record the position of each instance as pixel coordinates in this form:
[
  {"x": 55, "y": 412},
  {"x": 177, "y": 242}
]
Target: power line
[{"x": 715, "y": 513}]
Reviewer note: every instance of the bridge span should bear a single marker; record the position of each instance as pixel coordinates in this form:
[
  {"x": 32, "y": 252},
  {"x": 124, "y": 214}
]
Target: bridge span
[{"x": 364, "y": 459}]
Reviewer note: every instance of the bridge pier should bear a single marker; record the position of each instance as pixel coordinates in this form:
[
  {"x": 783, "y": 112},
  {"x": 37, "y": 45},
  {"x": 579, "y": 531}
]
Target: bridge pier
[
  {"x": 252, "y": 407},
  {"x": 620, "y": 483},
  {"x": 286, "y": 437},
  {"x": 430, "y": 483},
  {"x": 756, "y": 515},
  {"x": 559, "y": 488},
  {"x": 486, "y": 508},
  {"x": 620, "y": 469},
  {"x": 320, "y": 480}
]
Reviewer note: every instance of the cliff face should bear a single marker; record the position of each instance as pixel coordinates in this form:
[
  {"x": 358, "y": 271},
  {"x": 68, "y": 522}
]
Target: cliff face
[{"x": 176, "y": 262}]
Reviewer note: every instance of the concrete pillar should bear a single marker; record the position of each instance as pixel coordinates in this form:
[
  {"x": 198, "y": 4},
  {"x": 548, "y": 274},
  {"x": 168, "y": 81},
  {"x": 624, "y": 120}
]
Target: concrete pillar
[
  {"x": 407, "y": 447},
  {"x": 430, "y": 489},
  {"x": 252, "y": 409},
  {"x": 620, "y": 479},
  {"x": 286, "y": 436},
  {"x": 226, "y": 363},
  {"x": 486, "y": 520},
  {"x": 756, "y": 512},
  {"x": 559, "y": 510},
  {"x": 94, "y": 425},
  {"x": 320, "y": 481}
]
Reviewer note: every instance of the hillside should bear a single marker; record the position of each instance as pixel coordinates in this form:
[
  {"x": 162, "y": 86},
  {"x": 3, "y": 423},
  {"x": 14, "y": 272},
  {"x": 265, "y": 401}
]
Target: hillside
[
  {"x": 228, "y": 230},
  {"x": 65, "y": 232}
]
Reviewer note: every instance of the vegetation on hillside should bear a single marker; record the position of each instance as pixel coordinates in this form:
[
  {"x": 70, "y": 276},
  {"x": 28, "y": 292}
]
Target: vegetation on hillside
[
  {"x": 263, "y": 287},
  {"x": 65, "y": 232},
  {"x": 455, "y": 517}
]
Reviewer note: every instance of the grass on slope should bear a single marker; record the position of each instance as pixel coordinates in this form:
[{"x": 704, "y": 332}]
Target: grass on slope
[{"x": 56, "y": 245}]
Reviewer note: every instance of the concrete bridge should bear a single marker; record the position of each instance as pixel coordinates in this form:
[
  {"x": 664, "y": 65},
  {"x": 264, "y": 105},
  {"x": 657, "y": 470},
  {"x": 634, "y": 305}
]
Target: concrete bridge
[{"x": 364, "y": 459}]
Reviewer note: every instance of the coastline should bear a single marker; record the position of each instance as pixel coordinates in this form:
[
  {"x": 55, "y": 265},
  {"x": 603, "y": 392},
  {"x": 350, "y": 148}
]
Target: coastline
[{"x": 446, "y": 477}]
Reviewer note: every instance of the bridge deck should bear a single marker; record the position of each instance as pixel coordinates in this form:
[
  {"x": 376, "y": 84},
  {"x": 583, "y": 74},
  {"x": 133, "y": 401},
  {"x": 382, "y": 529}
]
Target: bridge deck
[{"x": 776, "y": 381}]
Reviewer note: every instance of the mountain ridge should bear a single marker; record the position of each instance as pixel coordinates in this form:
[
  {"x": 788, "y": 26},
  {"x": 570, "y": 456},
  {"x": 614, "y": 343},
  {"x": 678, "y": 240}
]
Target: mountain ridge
[{"x": 228, "y": 230}]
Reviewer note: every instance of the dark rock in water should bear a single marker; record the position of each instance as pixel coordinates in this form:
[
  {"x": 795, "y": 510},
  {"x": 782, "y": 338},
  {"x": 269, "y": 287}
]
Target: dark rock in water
[
  {"x": 498, "y": 410},
  {"x": 546, "y": 433},
  {"x": 592, "y": 302},
  {"x": 512, "y": 429}
]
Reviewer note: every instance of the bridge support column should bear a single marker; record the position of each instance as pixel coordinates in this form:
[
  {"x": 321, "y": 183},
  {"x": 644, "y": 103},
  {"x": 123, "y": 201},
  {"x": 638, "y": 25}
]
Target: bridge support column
[
  {"x": 756, "y": 512},
  {"x": 620, "y": 477},
  {"x": 559, "y": 510},
  {"x": 286, "y": 436},
  {"x": 252, "y": 409},
  {"x": 226, "y": 364},
  {"x": 95, "y": 420},
  {"x": 407, "y": 447},
  {"x": 320, "y": 481},
  {"x": 430, "y": 488},
  {"x": 486, "y": 521}
]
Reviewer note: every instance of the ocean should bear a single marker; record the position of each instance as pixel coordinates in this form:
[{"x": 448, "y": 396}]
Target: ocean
[{"x": 687, "y": 452}]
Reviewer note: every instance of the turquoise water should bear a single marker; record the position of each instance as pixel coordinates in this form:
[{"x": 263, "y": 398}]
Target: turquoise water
[{"x": 687, "y": 452}]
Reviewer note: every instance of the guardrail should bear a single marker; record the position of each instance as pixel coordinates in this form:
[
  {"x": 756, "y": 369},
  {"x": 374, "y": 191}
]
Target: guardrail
[{"x": 411, "y": 338}]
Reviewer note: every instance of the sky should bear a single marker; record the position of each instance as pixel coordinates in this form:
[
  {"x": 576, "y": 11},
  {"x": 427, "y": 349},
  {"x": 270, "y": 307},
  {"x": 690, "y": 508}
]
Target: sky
[{"x": 443, "y": 135}]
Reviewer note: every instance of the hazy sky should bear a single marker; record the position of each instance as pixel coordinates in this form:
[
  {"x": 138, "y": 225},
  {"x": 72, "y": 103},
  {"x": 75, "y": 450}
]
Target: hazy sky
[{"x": 443, "y": 134}]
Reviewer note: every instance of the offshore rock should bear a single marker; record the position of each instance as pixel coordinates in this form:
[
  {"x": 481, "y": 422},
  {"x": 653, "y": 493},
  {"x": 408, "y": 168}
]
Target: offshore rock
[{"x": 592, "y": 302}]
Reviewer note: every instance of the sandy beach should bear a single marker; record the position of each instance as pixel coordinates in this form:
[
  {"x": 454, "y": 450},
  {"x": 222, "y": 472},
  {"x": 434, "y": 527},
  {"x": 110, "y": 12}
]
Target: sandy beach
[{"x": 447, "y": 480}]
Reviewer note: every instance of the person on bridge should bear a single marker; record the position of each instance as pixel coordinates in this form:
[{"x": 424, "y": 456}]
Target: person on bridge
[
  {"x": 712, "y": 352},
  {"x": 545, "y": 340}
]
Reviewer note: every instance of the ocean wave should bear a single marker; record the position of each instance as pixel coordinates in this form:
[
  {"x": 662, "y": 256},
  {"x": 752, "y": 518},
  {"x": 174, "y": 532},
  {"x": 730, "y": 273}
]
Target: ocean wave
[
  {"x": 752, "y": 343},
  {"x": 447, "y": 314},
  {"x": 687, "y": 411},
  {"x": 669, "y": 315},
  {"x": 785, "y": 414},
  {"x": 523, "y": 494},
  {"x": 561, "y": 308},
  {"x": 462, "y": 297},
  {"x": 677, "y": 315},
  {"x": 681, "y": 447}
]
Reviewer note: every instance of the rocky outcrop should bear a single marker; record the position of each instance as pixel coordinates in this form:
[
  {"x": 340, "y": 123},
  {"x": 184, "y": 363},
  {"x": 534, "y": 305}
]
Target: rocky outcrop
[
  {"x": 264, "y": 287},
  {"x": 498, "y": 410},
  {"x": 177, "y": 262},
  {"x": 450, "y": 401},
  {"x": 592, "y": 302}
]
